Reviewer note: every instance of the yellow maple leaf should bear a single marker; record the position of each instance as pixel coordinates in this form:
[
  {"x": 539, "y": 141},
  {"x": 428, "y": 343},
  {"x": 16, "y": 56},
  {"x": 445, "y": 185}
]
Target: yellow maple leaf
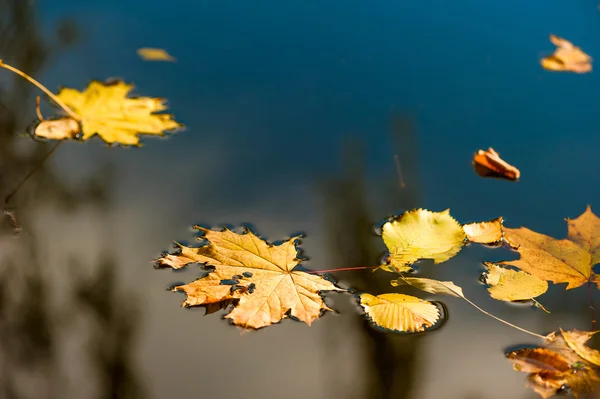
[
  {"x": 569, "y": 260},
  {"x": 399, "y": 312},
  {"x": 567, "y": 57},
  {"x": 260, "y": 276},
  {"x": 513, "y": 285},
  {"x": 422, "y": 234},
  {"x": 105, "y": 109}
]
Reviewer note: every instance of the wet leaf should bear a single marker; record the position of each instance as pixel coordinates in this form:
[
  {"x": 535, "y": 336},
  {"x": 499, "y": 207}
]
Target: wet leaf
[
  {"x": 269, "y": 288},
  {"x": 58, "y": 129},
  {"x": 399, "y": 312},
  {"x": 567, "y": 57},
  {"x": 106, "y": 110},
  {"x": 557, "y": 367},
  {"x": 489, "y": 164},
  {"x": 576, "y": 341},
  {"x": 512, "y": 285},
  {"x": 422, "y": 234},
  {"x": 432, "y": 286},
  {"x": 154, "y": 54},
  {"x": 568, "y": 260},
  {"x": 489, "y": 232}
]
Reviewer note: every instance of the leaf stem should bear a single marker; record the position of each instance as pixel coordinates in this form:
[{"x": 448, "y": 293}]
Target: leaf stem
[
  {"x": 31, "y": 173},
  {"x": 590, "y": 295},
  {"x": 343, "y": 269},
  {"x": 42, "y": 88}
]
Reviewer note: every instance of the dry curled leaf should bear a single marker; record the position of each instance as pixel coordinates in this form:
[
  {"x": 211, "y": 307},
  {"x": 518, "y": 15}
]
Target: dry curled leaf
[
  {"x": 489, "y": 232},
  {"x": 567, "y": 57},
  {"x": 512, "y": 285},
  {"x": 258, "y": 275},
  {"x": 422, "y": 234},
  {"x": 105, "y": 109},
  {"x": 489, "y": 164},
  {"x": 569, "y": 260},
  {"x": 399, "y": 312},
  {"x": 58, "y": 129},
  {"x": 576, "y": 340},
  {"x": 431, "y": 286},
  {"x": 557, "y": 367},
  {"x": 154, "y": 54}
]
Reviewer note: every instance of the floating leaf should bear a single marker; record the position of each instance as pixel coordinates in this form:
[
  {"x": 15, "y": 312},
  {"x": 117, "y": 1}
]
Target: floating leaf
[
  {"x": 576, "y": 340},
  {"x": 259, "y": 275},
  {"x": 567, "y": 57},
  {"x": 558, "y": 367},
  {"x": 398, "y": 312},
  {"x": 422, "y": 234},
  {"x": 512, "y": 285},
  {"x": 432, "y": 286},
  {"x": 106, "y": 110},
  {"x": 154, "y": 54},
  {"x": 568, "y": 260},
  {"x": 489, "y": 164},
  {"x": 489, "y": 232}
]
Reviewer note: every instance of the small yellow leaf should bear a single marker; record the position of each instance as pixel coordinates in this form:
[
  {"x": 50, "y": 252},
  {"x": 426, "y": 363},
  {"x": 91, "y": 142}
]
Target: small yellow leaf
[
  {"x": 567, "y": 57},
  {"x": 58, "y": 129},
  {"x": 512, "y": 285},
  {"x": 432, "y": 286},
  {"x": 260, "y": 276},
  {"x": 489, "y": 232},
  {"x": 106, "y": 110},
  {"x": 154, "y": 54},
  {"x": 398, "y": 312},
  {"x": 422, "y": 234},
  {"x": 576, "y": 340}
]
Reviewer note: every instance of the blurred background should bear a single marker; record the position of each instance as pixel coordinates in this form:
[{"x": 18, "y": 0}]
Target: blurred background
[{"x": 295, "y": 111}]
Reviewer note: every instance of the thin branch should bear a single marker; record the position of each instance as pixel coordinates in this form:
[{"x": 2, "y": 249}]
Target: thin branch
[
  {"x": 343, "y": 269},
  {"x": 42, "y": 88},
  {"x": 31, "y": 173}
]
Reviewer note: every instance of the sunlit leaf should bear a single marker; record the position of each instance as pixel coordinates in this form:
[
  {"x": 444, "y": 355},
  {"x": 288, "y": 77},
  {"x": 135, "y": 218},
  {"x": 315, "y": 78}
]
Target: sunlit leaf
[
  {"x": 512, "y": 285},
  {"x": 489, "y": 232},
  {"x": 567, "y": 57},
  {"x": 398, "y": 312},
  {"x": 432, "y": 286},
  {"x": 568, "y": 260},
  {"x": 489, "y": 164},
  {"x": 576, "y": 340},
  {"x": 260, "y": 276},
  {"x": 422, "y": 234},
  {"x": 106, "y": 110},
  {"x": 558, "y": 367},
  {"x": 154, "y": 54},
  {"x": 58, "y": 129}
]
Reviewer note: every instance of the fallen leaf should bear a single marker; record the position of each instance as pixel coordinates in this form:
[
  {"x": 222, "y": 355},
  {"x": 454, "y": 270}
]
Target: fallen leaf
[
  {"x": 422, "y": 234},
  {"x": 399, "y": 312},
  {"x": 567, "y": 57},
  {"x": 106, "y": 110},
  {"x": 489, "y": 164},
  {"x": 58, "y": 129},
  {"x": 154, "y": 54},
  {"x": 260, "y": 276},
  {"x": 576, "y": 339},
  {"x": 557, "y": 367},
  {"x": 489, "y": 232},
  {"x": 429, "y": 285},
  {"x": 512, "y": 285},
  {"x": 569, "y": 260}
]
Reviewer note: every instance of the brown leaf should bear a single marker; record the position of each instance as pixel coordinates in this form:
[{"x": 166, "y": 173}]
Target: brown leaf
[
  {"x": 568, "y": 260},
  {"x": 260, "y": 276},
  {"x": 567, "y": 57},
  {"x": 576, "y": 340},
  {"x": 489, "y": 164},
  {"x": 558, "y": 367}
]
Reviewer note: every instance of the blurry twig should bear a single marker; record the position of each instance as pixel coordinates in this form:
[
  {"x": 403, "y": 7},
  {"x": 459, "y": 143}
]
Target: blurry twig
[{"x": 399, "y": 170}]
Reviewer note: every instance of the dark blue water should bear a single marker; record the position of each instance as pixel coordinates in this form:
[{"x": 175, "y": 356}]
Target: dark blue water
[{"x": 271, "y": 94}]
